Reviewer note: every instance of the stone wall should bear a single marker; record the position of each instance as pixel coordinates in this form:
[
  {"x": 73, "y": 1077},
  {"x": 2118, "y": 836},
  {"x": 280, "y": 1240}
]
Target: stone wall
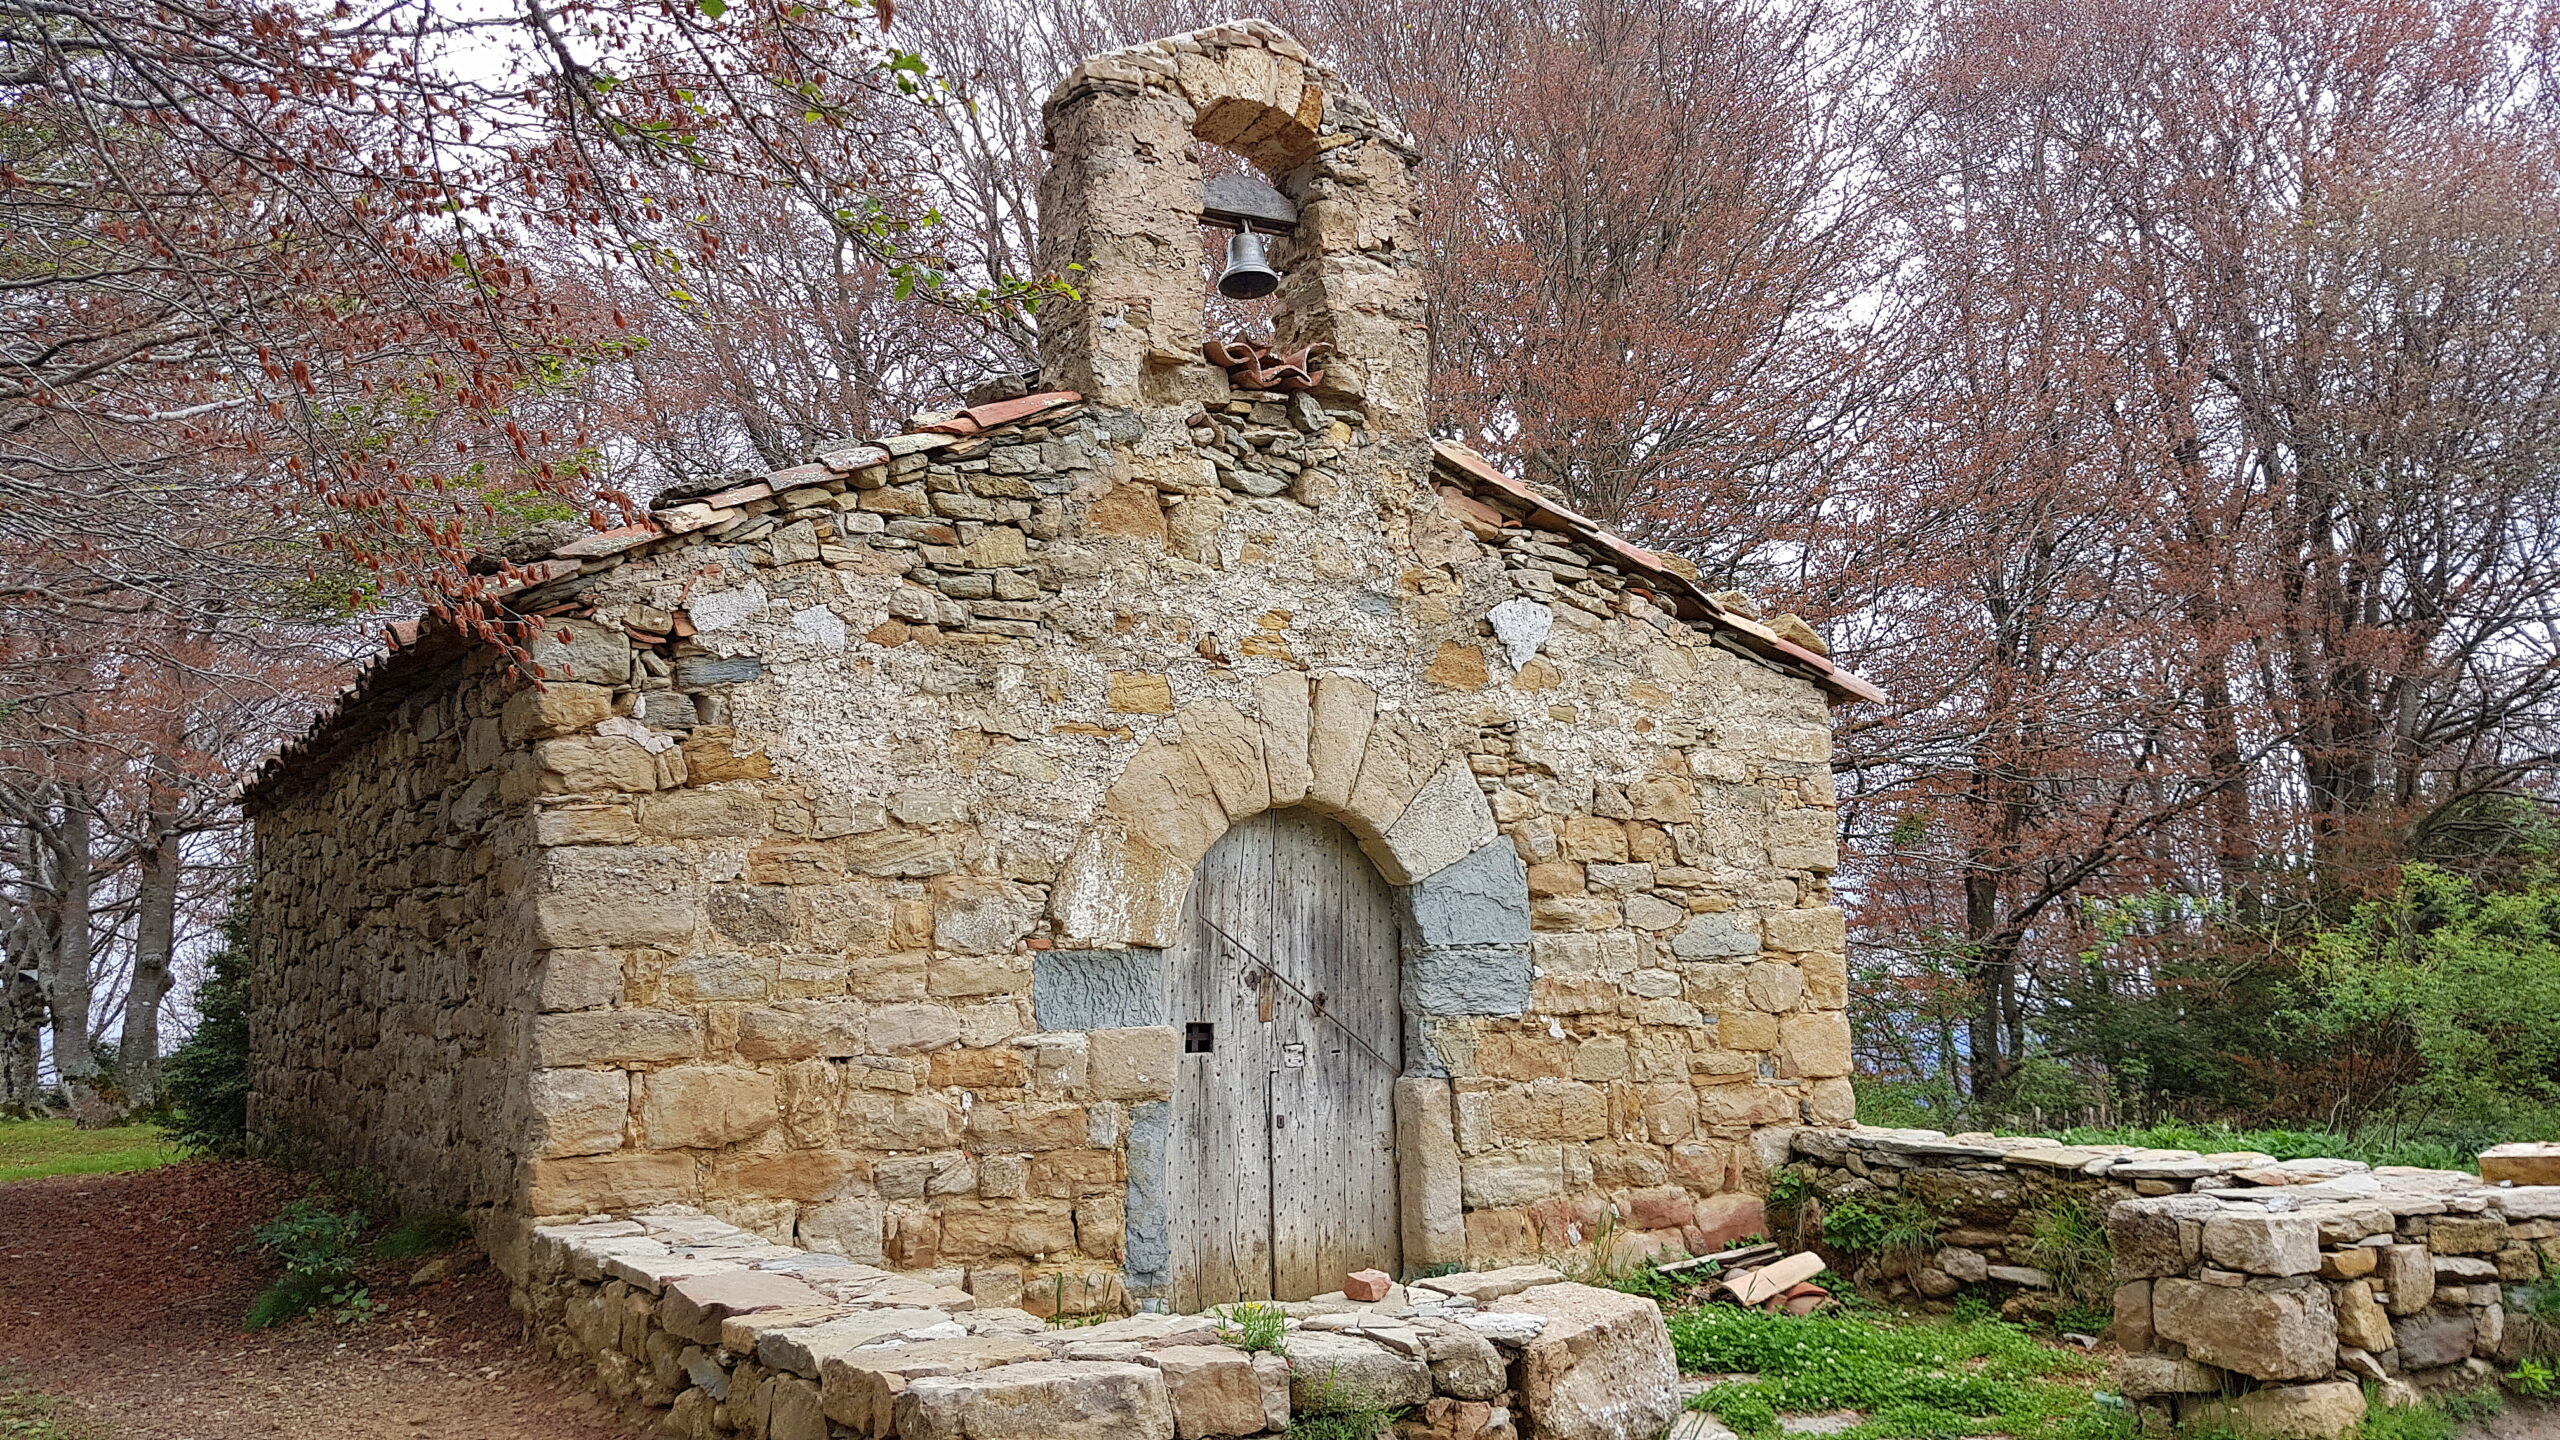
[
  {"x": 676, "y": 1311},
  {"x": 2260, "y": 1294},
  {"x": 391, "y": 977},
  {"x": 872, "y": 941},
  {"x": 858, "y": 803}
]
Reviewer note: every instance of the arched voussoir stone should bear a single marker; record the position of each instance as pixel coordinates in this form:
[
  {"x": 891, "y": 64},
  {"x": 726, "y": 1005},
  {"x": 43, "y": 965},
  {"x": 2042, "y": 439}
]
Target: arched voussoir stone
[{"x": 1407, "y": 796}]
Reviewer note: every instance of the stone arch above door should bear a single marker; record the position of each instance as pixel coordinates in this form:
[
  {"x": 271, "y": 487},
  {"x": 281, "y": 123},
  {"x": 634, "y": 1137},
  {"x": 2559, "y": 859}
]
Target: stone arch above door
[{"x": 1408, "y": 796}]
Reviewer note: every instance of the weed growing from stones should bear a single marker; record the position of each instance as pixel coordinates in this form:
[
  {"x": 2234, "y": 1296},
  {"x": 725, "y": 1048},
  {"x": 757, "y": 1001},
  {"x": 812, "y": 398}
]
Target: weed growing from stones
[
  {"x": 1918, "y": 1380},
  {"x": 1337, "y": 1412},
  {"x": 1254, "y": 1327},
  {"x": 2070, "y": 1244},
  {"x": 2476, "y": 1405},
  {"x": 2416, "y": 1422},
  {"x": 1888, "y": 1225}
]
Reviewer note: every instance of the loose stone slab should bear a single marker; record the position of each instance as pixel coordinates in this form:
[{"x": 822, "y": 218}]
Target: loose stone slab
[
  {"x": 694, "y": 1306},
  {"x": 1039, "y": 1400},
  {"x": 1335, "y": 1371},
  {"x": 861, "y": 1387},
  {"x": 805, "y": 1349},
  {"x": 1486, "y": 1286},
  {"x": 2525, "y": 1162}
]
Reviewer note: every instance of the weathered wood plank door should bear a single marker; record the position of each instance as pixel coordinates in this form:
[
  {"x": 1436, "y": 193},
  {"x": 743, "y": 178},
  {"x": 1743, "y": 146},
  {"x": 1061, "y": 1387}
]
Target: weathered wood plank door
[{"x": 1283, "y": 1166}]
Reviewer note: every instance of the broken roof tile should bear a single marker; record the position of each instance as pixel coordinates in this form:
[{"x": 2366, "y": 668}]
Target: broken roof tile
[
  {"x": 1003, "y": 412},
  {"x": 606, "y": 542},
  {"x": 1472, "y": 508},
  {"x": 852, "y": 458},
  {"x": 730, "y": 499}
]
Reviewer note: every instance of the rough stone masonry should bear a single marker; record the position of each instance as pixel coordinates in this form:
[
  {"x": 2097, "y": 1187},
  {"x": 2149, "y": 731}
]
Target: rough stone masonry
[
  {"x": 823, "y": 879},
  {"x": 2268, "y": 1296}
]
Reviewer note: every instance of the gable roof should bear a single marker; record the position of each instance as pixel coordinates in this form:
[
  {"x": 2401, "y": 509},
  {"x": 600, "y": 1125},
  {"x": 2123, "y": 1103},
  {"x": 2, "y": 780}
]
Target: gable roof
[
  {"x": 1669, "y": 583},
  {"x": 1468, "y": 485}
]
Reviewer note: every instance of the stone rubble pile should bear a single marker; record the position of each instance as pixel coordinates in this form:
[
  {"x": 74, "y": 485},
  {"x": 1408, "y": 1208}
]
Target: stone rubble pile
[
  {"x": 732, "y": 1336},
  {"x": 2250, "y": 1292}
]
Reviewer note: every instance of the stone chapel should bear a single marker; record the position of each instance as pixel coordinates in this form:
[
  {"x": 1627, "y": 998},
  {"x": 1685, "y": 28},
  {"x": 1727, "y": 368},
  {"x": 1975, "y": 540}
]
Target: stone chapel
[{"x": 1181, "y": 834}]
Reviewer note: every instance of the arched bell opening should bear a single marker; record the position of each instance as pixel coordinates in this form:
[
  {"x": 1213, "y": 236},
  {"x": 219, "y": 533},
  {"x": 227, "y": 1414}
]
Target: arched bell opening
[{"x": 1125, "y": 195}]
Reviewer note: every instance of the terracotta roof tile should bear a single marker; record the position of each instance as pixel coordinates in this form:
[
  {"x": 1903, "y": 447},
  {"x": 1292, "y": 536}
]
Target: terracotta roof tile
[
  {"x": 1681, "y": 595},
  {"x": 1006, "y": 412}
]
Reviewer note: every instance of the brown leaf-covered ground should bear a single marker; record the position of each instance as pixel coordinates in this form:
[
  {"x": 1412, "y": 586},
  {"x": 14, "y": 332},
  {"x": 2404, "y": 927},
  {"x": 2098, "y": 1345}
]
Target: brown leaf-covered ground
[{"x": 121, "y": 1296}]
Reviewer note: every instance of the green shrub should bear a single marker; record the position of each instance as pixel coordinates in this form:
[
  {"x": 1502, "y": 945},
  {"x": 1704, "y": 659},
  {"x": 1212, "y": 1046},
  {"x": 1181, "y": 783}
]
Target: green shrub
[
  {"x": 319, "y": 1249},
  {"x": 205, "y": 1085},
  {"x": 2463, "y": 977},
  {"x": 1881, "y": 1224},
  {"x": 422, "y": 1235}
]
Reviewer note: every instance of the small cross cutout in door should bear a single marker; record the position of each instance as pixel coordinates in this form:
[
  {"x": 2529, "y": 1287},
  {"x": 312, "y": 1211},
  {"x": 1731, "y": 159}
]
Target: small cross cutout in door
[{"x": 1199, "y": 1038}]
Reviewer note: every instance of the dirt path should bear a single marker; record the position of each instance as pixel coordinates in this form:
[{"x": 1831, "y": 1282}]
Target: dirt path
[{"x": 121, "y": 1295}]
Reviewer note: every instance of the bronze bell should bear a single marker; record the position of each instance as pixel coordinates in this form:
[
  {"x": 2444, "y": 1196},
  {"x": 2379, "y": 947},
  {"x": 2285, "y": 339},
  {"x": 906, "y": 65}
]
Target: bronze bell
[{"x": 1248, "y": 275}]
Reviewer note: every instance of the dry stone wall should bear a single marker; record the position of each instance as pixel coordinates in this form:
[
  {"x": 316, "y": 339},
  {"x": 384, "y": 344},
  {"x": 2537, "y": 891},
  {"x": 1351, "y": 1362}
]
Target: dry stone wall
[
  {"x": 2262, "y": 1295},
  {"x": 728, "y": 1335},
  {"x": 392, "y": 974}
]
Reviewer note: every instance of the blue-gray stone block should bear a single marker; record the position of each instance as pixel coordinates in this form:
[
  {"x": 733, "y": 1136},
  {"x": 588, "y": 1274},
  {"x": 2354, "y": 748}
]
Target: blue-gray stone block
[
  {"x": 716, "y": 670},
  {"x": 1467, "y": 979},
  {"x": 1480, "y": 900},
  {"x": 1726, "y": 935},
  {"x": 1099, "y": 989},
  {"x": 1148, "y": 1232}
]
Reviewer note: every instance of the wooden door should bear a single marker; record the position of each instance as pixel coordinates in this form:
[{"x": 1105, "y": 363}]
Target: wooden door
[{"x": 1282, "y": 1163}]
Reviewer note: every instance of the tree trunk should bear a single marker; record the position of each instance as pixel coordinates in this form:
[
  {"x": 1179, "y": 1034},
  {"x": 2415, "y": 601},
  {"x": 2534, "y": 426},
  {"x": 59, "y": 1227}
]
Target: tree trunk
[
  {"x": 21, "y": 1035},
  {"x": 138, "y": 1046},
  {"x": 68, "y": 979},
  {"x": 1988, "y": 964}
]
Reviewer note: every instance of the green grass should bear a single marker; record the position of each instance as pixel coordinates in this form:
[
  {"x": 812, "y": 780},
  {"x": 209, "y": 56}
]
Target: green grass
[
  {"x": 27, "y": 1415},
  {"x": 2375, "y": 1147},
  {"x": 1915, "y": 1381},
  {"x": 30, "y": 1149}
]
